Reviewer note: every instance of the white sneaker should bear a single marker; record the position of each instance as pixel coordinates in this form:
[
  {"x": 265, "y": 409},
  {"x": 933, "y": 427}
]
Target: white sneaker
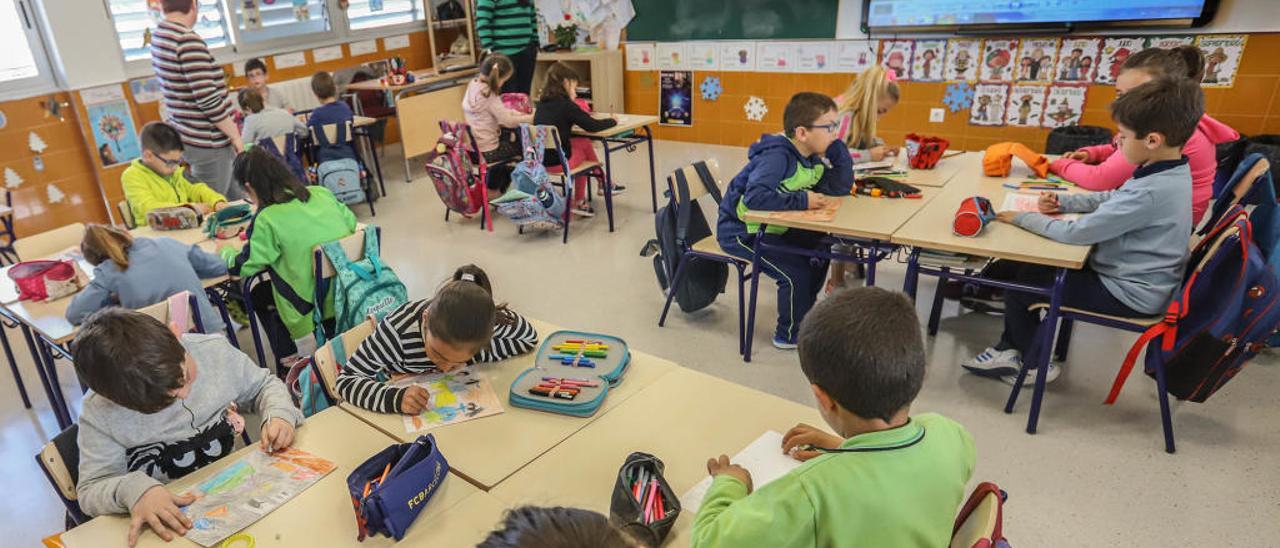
[
  {"x": 584, "y": 211},
  {"x": 1054, "y": 371},
  {"x": 994, "y": 363}
]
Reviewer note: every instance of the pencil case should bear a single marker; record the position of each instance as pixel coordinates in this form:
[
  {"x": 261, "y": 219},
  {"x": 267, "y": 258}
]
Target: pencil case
[
  {"x": 973, "y": 215},
  {"x": 571, "y": 383},
  {"x": 390, "y": 490},
  {"x": 924, "y": 152},
  {"x": 643, "y": 503}
]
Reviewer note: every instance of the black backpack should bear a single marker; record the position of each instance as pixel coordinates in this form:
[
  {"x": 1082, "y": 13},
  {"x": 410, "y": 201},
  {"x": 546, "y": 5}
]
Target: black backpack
[
  {"x": 1231, "y": 154},
  {"x": 679, "y": 225},
  {"x": 1071, "y": 138}
]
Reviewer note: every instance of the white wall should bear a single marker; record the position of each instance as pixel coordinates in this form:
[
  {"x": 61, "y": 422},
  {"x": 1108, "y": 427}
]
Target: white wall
[
  {"x": 82, "y": 43},
  {"x": 1232, "y": 16}
]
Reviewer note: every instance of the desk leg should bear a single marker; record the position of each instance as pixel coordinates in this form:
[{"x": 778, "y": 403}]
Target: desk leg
[
  {"x": 1044, "y": 347},
  {"x": 912, "y": 282},
  {"x": 653, "y": 180},
  {"x": 755, "y": 287},
  {"x": 50, "y": 391},
  {"x": 607, "y": 184},
  {"x": 935, "y": 309},
  {"x": 61, "y": 410},
  {"x": 13, "y": 367},
  {"x": 871, "y": 264},
  {"x": 377, "y": 164}
]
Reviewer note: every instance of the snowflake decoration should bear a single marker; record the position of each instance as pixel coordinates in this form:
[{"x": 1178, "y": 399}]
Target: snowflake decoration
[
  {"x": 711, "y": 88},
  {"x": 756, "y": 109},
  {"x": 959, "y": 96}
]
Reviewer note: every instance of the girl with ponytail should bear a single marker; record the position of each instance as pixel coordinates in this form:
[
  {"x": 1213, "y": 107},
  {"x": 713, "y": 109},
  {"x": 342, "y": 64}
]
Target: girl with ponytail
[
  {"x": 871, "y": 95},
  {"x": 494, "y": 126},
  {"x": 460, "y": 325}
]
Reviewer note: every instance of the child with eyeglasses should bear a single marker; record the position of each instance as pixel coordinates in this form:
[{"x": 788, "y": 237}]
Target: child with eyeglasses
[
  {"x": 458, "y": 326},
  {"x": 157, "y": 179}
]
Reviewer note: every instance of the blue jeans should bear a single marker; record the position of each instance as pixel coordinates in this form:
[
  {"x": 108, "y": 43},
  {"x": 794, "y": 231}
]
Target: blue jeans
[
  {"x": 799, "y": 277},
  {"x": 1082, "y": 289}
]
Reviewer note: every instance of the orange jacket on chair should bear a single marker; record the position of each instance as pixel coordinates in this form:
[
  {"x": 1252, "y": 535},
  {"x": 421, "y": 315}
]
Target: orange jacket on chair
[{"x": 998, "y": 160}]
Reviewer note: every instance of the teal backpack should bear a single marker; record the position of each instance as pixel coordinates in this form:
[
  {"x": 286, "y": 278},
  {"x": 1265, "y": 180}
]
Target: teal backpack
[{"x": 360, "y": 289}]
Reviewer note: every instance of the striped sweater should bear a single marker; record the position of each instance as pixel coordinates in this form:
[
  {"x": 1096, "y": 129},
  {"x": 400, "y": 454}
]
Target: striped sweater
[
  {"x": 194, "y": 86},
  {"x": 396, "y": 346},
  {"x": 506, "y": 26}
]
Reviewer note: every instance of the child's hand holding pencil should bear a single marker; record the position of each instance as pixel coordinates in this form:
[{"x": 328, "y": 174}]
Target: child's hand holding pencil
[{"x": 722, "y": 466}]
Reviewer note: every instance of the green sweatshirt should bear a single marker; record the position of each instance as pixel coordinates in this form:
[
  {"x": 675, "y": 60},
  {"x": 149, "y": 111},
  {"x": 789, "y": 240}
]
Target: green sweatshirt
[
  {"x": 900, "y": 495},
  {"x": 506, "y": 26},
  {"x": 147, "y": 190},
  {"x": 282, "y": 238}
]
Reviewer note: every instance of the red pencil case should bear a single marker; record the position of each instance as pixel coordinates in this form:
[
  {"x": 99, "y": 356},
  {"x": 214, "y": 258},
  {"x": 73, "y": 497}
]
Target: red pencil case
[
  {"x": 643, "y": 504},
  {"x": 924, "y": 152},
  {"x": 44, "y": 280}
]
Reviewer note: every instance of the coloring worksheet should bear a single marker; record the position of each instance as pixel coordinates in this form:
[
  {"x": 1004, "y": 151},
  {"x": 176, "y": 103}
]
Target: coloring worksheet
[
  {"x": 1115, "y": 51},
  {"x": 927, "y": 64},
  {"x": 458, "y": 396},
  {"x": 1030, "y": 202},
  {"x": 962, "y": 59},
  {"x": 1036, "y": 58},
  {"x": 1221, "y": 58},
  {"x": 1078, "y": 59},
  {"x": 895, "y": 55},
  {"x": 763, "y": 458},
  {"x": 989, "y": 102},
  {"x": 1026, "y": 105},
  {"x": 997, "y": 60},
  {"x": 1064, "y": 105},
  {"x": 250, "y": 488}
]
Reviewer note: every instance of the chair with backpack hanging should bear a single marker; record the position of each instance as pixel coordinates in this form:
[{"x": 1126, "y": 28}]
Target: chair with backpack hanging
[
  {"x": 980, "y": 523},
  {"x": 459, "y": 173},
  {"x": 287, "y": 149},
  {"x": 60, "y": 461},
  {"x": 347, "y": 178},
  {"x": 691, "y": 268},
  {"x": 361, "y": 285},
  {"x": 593, "y": 171},
  {"x": 314, "y": 382},
  {"x": 532, "y": 201}
]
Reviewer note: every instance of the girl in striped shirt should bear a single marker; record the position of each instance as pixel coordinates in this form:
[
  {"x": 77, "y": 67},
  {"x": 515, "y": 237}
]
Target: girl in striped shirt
[{"x": 459, "y": 326}]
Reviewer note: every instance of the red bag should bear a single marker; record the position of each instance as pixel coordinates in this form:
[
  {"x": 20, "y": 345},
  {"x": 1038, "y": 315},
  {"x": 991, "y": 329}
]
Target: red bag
[
  {"x": 44, "y": 280},
  {"x": 518, "y": 102},
  {"x": 924, "y": 152},
  {"x": 972, "y": 216}
]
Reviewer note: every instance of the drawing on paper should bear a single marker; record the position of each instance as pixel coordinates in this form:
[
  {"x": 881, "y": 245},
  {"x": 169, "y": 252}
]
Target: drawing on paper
[{"x": 458, "y": 396}]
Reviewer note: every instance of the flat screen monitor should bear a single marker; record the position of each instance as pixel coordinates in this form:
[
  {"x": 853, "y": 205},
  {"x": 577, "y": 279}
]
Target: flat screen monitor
[{"x": 907, "y": 15}]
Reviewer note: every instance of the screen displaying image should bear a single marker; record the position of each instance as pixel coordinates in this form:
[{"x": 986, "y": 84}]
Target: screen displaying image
[{"x": 930, "y": 13}]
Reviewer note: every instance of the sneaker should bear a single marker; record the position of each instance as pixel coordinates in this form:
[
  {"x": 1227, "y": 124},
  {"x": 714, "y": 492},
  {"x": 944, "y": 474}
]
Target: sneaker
[
  {"x": 617, "y": 189},
  {"x": 584, "y": 211},
  {"x": 994, "y": 363},
  {"x": 783, "y": 344},
  {"x": 1054, "y": 371}
]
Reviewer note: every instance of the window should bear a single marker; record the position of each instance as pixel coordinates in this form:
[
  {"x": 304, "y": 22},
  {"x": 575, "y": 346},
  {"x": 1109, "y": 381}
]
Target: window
[
  {"x": 133, "y": 21},
  {"x": 23, "y": 67},
  {"x": 280, "y": 19},
  {"x": 361, "y": 14}
]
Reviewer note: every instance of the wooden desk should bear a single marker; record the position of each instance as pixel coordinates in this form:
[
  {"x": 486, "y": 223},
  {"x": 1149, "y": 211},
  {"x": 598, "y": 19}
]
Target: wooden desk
[
  {"x": 422, "y": 79},
  {"x": 682, "y": 418},
  {"x": 415, "y": 126},
  {"x": 322, "y": 515},
  {"x": 631, "y": 130},
  {"x": 486, "y": 451},
  {"x": 859, "y": 216},
  {"x": 942, "y": 173},
  {"x": 626, "y": 122}
]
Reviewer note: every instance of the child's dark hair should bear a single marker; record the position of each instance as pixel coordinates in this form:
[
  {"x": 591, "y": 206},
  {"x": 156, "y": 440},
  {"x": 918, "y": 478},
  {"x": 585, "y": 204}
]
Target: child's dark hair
[
  {"x": 322, "y": 85},
  {"x": 1169, "y": 106},
  {"x": 269, "y": 177},
  {"x": 129, "y": 358},
  {"x": 557, "y": 75},
  {"x": 804, "y": 109},
  {"x": 555, "y": 527},
  {"x": 863, "y": 347},
  {"x": 104, "y": 243},
  {"x": 250, "y": 100},
  {"x": 494, "y": 68},
  {"x": 170, "y": 6},
  {"x": 1180, "y": 62},
  {"x": 254, "y": 64},
  {"x": 463, "y": 311},
  {"x": 159, "y": 138}
]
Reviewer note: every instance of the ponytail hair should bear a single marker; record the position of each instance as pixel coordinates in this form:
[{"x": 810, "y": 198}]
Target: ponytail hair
[
  {"x": 270, "y": 178},
  {"x": 104, "y": 243},
  {"x": 463, "y": 312},
  {"x": 861, "y": 101},
  {"x": 493, "y": 69},
  {"x": 1180, "y": 62}
]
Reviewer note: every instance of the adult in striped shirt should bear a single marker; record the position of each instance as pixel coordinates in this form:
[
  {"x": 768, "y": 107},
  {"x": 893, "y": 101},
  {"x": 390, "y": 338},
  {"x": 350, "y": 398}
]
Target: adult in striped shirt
[
  {"x": 195, "y": 97},
  {"x": 459, "y": 326},
  {"x": 510, "y": 27}
]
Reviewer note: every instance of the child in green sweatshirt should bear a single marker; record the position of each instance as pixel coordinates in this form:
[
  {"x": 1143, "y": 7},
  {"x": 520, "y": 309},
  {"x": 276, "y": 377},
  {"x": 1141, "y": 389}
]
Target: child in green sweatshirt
[{"x": 886, "y": 478}]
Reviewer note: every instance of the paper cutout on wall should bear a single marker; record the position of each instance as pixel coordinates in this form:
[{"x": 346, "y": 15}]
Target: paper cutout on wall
[
  {"x": 1114, "y": 53},
  {"x": 929, "y": 57},
  {"x": 1036, "y": 58},
  {"x": 1221, "y": 58},
  {"x": 1064, "y": 105},
  {"x": 755, "y": 109},
  {"x": 1026, "y": 105},
  {"x": 56, "y": 196},
  {"x": 703, "y": 56},
  {"x": 671, "y": 56},
  {"x": 775, "y": 57},
  {"x": 737, "y": 56},
  {"x": 895, "y": 55},
  {"x": 813, "y": 57},
  {"x": 12, "y": 179},
  {"x": 989, "y": 104},
  {"x": 1169, "y": 42},
  {"x": 997, "y": 60},
  {"x": 711, "y": 88},
  {"x": 1078, "y": 60},
  {"x": 640, "y": 56},
  {"x": 959, "y": 96},
  {"x": 962, "y": 60},
  {"x": 854, "y": 55},
  {"x": 36, "y": 144}
]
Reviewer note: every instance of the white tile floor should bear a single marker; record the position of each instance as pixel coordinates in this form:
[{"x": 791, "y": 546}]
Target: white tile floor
[{"x": 1094, "y": 475}]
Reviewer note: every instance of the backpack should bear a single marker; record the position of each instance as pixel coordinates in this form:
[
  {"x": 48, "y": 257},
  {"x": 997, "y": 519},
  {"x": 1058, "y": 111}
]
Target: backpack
[
  {"x": 1072, "y": 138},
  {"x": 305, "y": 384},
  {"x": 457, "y": 179},
  {"x": 532, "y": 199},
  {"x": 679, "y": 225},
  {"x": 342, "y": 178},
  {"x": 1231, "y": 155},
  {"x": 360, "y": 289},
  {"x": 985, "y": 528},
  {"x": 287, "y": 151},
  {"x": 1226, "y": 309}
]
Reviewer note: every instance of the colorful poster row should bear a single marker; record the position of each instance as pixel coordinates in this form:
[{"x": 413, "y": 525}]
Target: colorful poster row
[
  {"x": 1027, "y": 105},
  {"x": 1074, "y": 60}
]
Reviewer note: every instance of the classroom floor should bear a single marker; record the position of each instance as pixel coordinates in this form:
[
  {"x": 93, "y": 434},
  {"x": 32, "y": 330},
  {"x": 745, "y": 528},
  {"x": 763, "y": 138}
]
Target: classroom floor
[{"x": 1094, "y": 475}]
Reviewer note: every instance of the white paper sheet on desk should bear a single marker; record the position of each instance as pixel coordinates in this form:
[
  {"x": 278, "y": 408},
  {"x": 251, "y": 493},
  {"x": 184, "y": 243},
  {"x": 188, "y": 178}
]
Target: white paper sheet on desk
[
  {"x": 882, "y": 164},
  {"x": 1024, "y": 201},
  {"x": 763, "y": 458}
]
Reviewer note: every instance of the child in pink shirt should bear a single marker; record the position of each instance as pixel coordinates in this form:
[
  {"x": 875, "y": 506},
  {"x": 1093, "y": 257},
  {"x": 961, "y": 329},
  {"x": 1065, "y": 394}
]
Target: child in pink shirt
[
  {"x": 492, "y": 123},
  {"x": 1103, "y": 167}
]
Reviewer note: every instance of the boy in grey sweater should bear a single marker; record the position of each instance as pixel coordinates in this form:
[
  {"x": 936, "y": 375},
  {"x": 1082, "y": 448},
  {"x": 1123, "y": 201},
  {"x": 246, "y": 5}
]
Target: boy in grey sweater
[
  {"x": 161, "y": 407},
  {"x": 1140, "y": 232},
  {"x": 264, "y": 121}
]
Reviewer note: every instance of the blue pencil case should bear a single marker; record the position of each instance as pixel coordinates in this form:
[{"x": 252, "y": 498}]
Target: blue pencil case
[{"x": 568, "y": 381}]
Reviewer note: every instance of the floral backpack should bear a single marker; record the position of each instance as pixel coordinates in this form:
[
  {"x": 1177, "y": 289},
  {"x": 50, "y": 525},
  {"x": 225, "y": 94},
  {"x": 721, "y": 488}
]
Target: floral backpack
[
  {"x": 459, "y": 180},
  {"x": 532, "y": 199}
]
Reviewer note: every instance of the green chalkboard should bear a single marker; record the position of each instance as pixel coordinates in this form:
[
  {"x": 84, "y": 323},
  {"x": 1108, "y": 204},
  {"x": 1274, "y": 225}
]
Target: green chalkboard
[{"x": 673, "y": 20}]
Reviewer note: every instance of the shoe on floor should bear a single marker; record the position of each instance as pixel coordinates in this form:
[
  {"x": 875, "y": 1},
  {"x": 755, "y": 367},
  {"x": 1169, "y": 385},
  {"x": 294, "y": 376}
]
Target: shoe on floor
[
  {"x": 783, "y": 344},
  {"x": 617, "y": 189},
  {"x": 1054, "y": 371},
  {"x": 584, "y": 211},
  {"x": 994, "y": 363}
]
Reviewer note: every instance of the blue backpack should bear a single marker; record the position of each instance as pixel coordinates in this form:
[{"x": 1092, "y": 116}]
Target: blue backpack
[
  {"x": 362, "y": 288},
  {"x": 532, "y": 199},
  {"x": 342, "y": 178},
  {"x": 288, "y": 152},
  {"x": 1226, "y": 309}
]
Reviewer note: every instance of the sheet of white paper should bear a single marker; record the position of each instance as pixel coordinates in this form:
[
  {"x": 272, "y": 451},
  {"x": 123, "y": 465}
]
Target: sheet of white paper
[
  {"x": 1025, "y": 201},
  {"x": 763, "y": 458},
  {"x": 882, "y": 164}
]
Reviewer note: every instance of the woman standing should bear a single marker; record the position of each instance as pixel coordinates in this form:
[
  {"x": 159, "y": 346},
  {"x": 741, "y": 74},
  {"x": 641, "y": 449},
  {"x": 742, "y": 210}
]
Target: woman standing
[{"x": 510, "y": 27}]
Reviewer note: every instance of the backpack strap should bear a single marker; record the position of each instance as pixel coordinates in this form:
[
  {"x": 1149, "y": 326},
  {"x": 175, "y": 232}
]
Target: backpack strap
[
  {"x": 708, "y": 181},
  {"x": 371, "y": 250},
  {"x": 684, "y": 209}
]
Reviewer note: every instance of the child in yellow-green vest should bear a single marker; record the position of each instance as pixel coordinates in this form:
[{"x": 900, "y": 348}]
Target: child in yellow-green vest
[{"x": 158, "y": 180}]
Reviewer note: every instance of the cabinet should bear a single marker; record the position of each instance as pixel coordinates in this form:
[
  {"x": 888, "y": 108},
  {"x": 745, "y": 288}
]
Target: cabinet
[
  {"x": 600, "y": 71},
  {"x": 452, "y": 38}
]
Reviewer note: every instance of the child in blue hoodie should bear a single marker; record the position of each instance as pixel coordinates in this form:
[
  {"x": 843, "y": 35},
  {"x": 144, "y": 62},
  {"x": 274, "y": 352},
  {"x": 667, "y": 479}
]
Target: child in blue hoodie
[{"x": 794, "y": 171}]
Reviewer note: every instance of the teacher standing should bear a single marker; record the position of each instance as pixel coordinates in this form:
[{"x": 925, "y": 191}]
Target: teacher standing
[
  {"x": 195, "y": 96},
  {"x": 510, "y": 27}
]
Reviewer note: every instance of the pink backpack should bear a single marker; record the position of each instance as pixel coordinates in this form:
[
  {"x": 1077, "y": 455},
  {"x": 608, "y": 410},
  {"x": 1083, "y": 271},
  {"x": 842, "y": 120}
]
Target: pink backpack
[
  {"x": 459, "y": 180},
  {"x": 518, "y": 102}
]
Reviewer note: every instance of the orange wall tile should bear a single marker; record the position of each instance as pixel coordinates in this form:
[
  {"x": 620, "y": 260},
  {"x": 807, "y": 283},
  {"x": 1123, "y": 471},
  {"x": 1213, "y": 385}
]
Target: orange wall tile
[{"x": 1252, "y": 106}]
